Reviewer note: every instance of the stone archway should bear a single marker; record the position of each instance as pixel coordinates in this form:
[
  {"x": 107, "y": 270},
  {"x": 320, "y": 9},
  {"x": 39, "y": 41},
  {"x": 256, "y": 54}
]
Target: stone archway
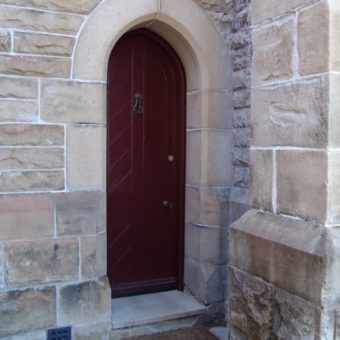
[{"x": 209, "y": 137}]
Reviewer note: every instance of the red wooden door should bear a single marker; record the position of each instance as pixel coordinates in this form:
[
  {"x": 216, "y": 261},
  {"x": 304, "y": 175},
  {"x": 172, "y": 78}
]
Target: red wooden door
[{"x": 145, "y": 181}]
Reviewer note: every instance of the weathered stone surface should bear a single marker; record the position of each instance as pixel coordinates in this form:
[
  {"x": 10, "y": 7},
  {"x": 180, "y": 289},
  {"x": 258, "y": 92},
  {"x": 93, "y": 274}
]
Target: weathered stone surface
[
  {"x": 241, "y": 59},
  {"x": 241, "y": 79},
  {"x": 291, "y": 115},
  {"x": 98, "y": 331},
  {"x": 2, "y": 272},
  {"x": 241, "y": 177},
  {"x": 242, "y": 99},
  {"x": 273, "y": 52},
  {"x": 79, "y": 301},
  {"x": 241, "y": 157},
  {"x": 38, "y": 335},
  {"x": 20, "y": 181},
  {"x": 28, "y": 19},
  {"x": 31, "y": 158},
  {"x": 80, "y": 213},
  {"x": 42, "y": 261},
  {"x": 267, "y": 9},
  {"x": 206, "y": 244},
  {"x": 333, "y": 115},
  {"x": 5, "y": 41},
  {"x": 262, "y": 311},
  {"x": 43, "y": 44},
  {"x": 261, "y": 181},
  {"x": 250, "y": 305},
  {"x": 242, "y": 118},
  {"x": 334, "y": 37},
  {"x": 93, "y": 255},
  {"x": 239, "y": 203},
  {"x": 242, "y": 137},
  {"x": 206, "y": 205},
  {"x": 35, "y": 66},
  {"x": 20, "y": 111},
  {"x": 209, "y": 109},
  {"x": 42, "y": 135},
  {"x": 302, "y": 192},
  {"x": 333, "y": 189},
  {"x": 86, "y": 158},
  {"x": 18, "y": 88},
  {"x": 313, "y": 39},
  {"x": 27, "y": 310},
  {"x": 77, "y": 6},
  {"x": 286, "y": 252},
  {"x": 72, "y": 102},
  {"x": 26, "y": 217},
  {"x": 206, "y": 281}
]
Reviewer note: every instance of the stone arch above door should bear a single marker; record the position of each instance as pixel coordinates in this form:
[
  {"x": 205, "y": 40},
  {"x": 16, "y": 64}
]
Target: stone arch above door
[{"x": 209, "y": 119}]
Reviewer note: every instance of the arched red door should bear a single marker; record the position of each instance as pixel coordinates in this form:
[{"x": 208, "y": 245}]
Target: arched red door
[{"x": 145, "y": 165}]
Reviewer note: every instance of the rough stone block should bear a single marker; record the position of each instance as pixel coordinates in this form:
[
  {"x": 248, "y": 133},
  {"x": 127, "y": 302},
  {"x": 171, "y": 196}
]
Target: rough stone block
[
  {"x": 86, "y": 158},
  {"x": 241, "y": 177},
  {"x": 42, "y": 135},
  {"x": 206, "y": 244},
  {"x": 93, "y": 255},
  {"x": 35, "y": 66},
  {"x": 72, "y": 102},
  {"x": 261, "y": 179},
  {"x": 77, "y": 6},
  {"x": 41, "y": 261},
  {"x": 206, "y": 281},
  {"x": 241, "y": 79},
  {"x": 33, "y": 20},
  {"x": 241, "y": 157},
  {"x": 291, "y": 115},
  {"x": 209, "y": 109},
  {"x": 286, "y": 252},
  {"x": 302, "y": 184},
  {"x": 193, "y": 157},
  {"x": 26, "y": 217},
  {"x": 20, "y": 111},
  {"x": 267, "y": 9},
  {"x": 239, "y": 203},
  {"x": 207, "y": 205},
  {"x": 27, "y": 310},
  {"x": 31, "y": 158},
  {"x": 273, "y": 52},
  {"x": 43, "y": 44},
  {"x": 313, "y": 39},
  {"x": 242, "y": 99},
  {"x": 242, "y": 118},
  {"x": 20, "y": 181},
  {"x": 79, "y": 301},
  {"x": 5, "y": 41},
  {"x": 18, "y": 88},
  {"x": 80, "y": 213},
  {"x": 98, "y": 331}
]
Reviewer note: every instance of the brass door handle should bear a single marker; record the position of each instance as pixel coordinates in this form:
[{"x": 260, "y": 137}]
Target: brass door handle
[{"x": 167, "y": 204}]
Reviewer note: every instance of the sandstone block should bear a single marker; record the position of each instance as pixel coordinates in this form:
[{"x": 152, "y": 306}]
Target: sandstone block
[
  {"x": 206, "y": 244},
  {"x": 333, "y": 115},
  {"x": 77, "y": 6},
  {"x": 32, "y": 20},
  {"x": 78, "y": 301},
  {"x": 20, "y": 181},
  {"x": 26, "y": 217},
  {"x": 242, "y": 138},
  {"x": 42, "y": 135},
  {"x": 31, "y": 158},
  {"x": 41, "y": 261},
  {"x": 35, "y": 66},
  {"x": 334, "y": 38},
  {"x": 5, "y": 41},
  {"x": 20, "y": 111},
  {"x": 286, "y": 252},
  {"x": 242, "y": 99},
  {"x": 43, "y": 44},
  {"x": 273, "y": 52},
  {"x": 193, "y": 157},
  {"x": 2, "y": 272},
  {"x": 241, "y": 177},
  {"x": 241, "y": 59},
  {"x": 302, "y": 184},
  {"x": 209, "y": 109},
  {"x": 71, "y": 102},
  {"x": 313, "y": 39},
  {"x": 206, "y": 281},
  {"x": 93, "y": 255},
  {"x": 261, "y": 180},
  {"x": 239, "y": 203},
  {"x": 98, "y": 331},
  {"x": 18, "y": 88},
  {"x": 80, "y": 213},
  {"x": 241, "y": 157},
  {"x": 207, "y": 206},
  {"x": 333, "y": 188},
  {"x": 242, "y": 118},
  {"x": 86, "y": 155},
  {"x": 38, "y": 335},
  {"x": 291, "y": 115},
  {"x": 266, "y": 9},
  {"x": 241, "y": 79},
  {"x": 27, "y": 310}
]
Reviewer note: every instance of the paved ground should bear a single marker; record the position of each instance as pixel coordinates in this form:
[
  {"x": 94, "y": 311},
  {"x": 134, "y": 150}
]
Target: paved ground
[{"x": 194, "y": 333}]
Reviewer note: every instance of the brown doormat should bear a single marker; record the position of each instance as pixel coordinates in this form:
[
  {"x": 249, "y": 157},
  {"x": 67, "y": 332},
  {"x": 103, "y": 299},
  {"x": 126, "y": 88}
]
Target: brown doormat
[{"x": 194, "y": 333}]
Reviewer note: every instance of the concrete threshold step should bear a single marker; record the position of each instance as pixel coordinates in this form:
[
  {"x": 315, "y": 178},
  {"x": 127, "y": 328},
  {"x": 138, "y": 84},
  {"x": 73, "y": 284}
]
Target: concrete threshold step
[{"x": 154, "y": 308}]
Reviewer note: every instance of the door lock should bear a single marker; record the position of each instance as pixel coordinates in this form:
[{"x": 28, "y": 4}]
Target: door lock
[{"x": 137, "y": 106}]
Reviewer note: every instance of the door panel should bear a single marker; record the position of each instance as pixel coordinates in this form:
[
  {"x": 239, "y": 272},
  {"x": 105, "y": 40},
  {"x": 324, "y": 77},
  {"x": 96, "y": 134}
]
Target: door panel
[{"x": 145, "y": 236}]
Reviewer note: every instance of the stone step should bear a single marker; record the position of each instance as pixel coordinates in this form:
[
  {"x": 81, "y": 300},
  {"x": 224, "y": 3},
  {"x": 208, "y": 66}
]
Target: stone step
[{"x": 152, "y": 313}]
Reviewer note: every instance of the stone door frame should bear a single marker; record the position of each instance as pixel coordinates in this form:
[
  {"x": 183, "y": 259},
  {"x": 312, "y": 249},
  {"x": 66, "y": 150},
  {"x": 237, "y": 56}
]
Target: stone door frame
[{"x": 209, "y": 115}]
